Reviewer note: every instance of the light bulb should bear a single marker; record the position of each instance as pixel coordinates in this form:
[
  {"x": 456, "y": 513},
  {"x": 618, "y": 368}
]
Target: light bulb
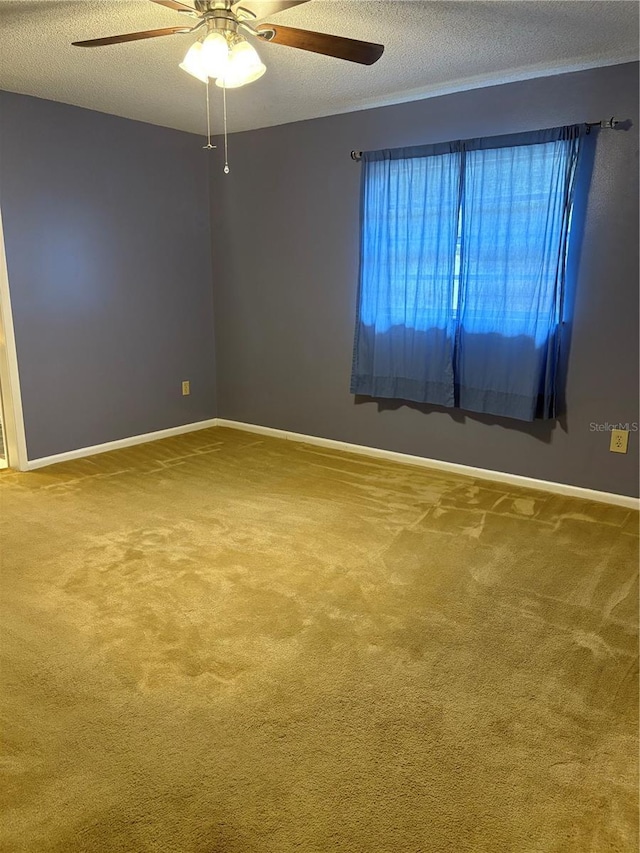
[
  {"x": 244, "y": 66},
  {"x": 215, "y": 54},
  {"x": 192, "y": 63}
]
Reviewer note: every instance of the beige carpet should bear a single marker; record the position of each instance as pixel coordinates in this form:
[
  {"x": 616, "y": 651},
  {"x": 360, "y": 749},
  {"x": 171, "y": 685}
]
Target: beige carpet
[{"x": 226, "y": 644}]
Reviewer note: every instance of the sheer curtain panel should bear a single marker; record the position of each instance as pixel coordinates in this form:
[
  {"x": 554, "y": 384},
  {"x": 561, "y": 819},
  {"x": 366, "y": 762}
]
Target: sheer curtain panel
[{"x": 462, "y": 272}]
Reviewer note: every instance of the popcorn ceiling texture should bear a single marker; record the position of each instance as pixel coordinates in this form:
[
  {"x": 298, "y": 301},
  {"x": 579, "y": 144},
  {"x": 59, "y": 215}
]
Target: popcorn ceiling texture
[
  {"x": 220, "y": 643},
  {"x": 431, "y": 48}
]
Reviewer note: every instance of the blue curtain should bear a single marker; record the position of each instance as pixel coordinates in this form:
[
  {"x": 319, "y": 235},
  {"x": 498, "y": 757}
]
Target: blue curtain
[
  {"x": 462, "y": 269},
  {"x": 405, "y": 332}
]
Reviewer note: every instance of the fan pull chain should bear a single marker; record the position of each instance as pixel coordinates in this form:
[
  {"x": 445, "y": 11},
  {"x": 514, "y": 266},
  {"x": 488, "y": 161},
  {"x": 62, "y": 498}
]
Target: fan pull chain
[
  {"x": 208, "y": 145},
  {"x": 226, "y": 144}
]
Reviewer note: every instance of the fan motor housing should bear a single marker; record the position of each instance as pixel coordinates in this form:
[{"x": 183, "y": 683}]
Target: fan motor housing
[
  {"x": 207, "y": 6},
  {"x": 219, "y": 15}
]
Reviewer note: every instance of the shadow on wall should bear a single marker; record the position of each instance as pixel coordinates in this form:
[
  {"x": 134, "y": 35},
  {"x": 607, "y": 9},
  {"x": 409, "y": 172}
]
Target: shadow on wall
[
  {"x": 514, "y": 371},
  {"x": 540, "y": 430}
]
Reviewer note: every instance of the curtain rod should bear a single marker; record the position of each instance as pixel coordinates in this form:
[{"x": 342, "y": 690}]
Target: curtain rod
[{"x": 605, "y": 124}]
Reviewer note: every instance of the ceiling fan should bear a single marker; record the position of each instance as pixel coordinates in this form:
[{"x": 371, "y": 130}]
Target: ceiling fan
[{"x": 223, "y": 53}]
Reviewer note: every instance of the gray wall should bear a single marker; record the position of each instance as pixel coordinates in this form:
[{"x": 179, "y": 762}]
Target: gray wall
[
  {"x": 106, "y": 226},
  {"x": 107, "y": 231},
  {"x": 285, "y": 224}
]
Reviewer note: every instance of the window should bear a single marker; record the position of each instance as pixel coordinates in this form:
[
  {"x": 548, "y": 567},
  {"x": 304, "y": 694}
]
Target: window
[{"x": 462, "y": 269}]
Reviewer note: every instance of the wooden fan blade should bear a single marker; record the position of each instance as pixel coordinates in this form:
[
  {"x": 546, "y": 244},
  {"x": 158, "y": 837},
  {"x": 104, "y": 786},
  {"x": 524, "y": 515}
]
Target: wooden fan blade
[
  {"x": 262, "y": 8},
  {"x": 147, "y": 34},
  {"x": 364, "y": 52},
  {"x": 177, "y": 7}
]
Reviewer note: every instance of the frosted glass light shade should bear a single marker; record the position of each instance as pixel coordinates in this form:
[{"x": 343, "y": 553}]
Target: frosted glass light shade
[
  {"x": 244, "y": 66},
  {"x": 215, "y": 54},
  {"x": 192, "y": 63}
]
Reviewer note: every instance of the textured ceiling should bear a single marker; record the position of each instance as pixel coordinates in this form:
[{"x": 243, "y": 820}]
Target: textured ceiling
[{"x": 430, "y": 48}]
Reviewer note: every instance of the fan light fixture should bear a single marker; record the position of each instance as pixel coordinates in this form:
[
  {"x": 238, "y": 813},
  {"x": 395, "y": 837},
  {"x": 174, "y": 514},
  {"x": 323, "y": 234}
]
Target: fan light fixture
[
  {"x": 192, "y": 63},
  {"x": 214, "y": 54},
  {"x": 243, "y": 66},
  {"x": 226, "y": 57}
]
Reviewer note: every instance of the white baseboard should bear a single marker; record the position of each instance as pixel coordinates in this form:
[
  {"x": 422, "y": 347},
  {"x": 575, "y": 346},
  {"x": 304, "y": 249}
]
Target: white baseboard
[
  {"x": 81, "y": 452},
  {"x": 453, "y": 467},
  {"x": 360, "y": 449}
]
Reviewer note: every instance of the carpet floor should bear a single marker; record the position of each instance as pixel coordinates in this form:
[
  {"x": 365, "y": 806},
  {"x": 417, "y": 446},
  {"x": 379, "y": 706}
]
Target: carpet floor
[{"x": 223, "y": 643}]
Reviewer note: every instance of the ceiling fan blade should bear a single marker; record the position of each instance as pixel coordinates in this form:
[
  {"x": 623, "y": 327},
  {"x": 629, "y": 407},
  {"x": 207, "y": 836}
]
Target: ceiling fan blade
[
  {"x": 177, "y": 7},
  {"x": 147, "y": 34},
  {"x": 364, "y": 52},
  {"x": 262, "y": 8}
]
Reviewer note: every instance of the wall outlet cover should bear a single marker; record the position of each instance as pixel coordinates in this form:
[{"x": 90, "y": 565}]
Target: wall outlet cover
[
  {"x": 619, "y": 440},
  {"x": 186, "y": 388}
]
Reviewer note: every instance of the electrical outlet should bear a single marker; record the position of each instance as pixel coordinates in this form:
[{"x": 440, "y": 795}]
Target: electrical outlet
[
  {"x": 186, "y": 388},
  {"x": 619, "y": 440}
]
